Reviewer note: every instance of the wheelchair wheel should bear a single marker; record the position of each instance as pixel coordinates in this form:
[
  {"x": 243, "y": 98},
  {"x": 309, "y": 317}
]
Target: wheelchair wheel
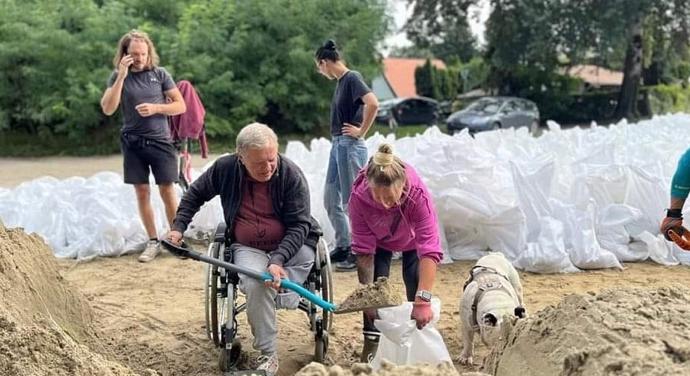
[
  {"x": 230, "y": 358},
  {"x": 320, "y": 343},
  {"x": 220, "y": 302},
  {"x": 326, "y": 282},
  {"x": 210, "y": 293}
]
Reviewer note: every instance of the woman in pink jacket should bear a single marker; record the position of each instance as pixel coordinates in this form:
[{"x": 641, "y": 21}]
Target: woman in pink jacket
[{"x": 391, "y": 211}]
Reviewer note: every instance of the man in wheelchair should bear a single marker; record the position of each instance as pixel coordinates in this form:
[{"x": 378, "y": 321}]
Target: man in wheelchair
[{"x": 265, "y": 199}]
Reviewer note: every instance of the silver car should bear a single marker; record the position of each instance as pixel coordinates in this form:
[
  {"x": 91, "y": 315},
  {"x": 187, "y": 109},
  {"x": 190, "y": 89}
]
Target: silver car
[{"x": 491, "y": 113}]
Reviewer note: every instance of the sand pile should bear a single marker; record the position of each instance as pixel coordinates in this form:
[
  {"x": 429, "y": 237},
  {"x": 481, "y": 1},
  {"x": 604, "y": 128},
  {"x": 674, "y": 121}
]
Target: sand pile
[
  {"x": 378, "y": 294},
  {"x": 620, "y": 331},
  {"x": 387, "y": 369},
  {"x": 45, "y": 327}
]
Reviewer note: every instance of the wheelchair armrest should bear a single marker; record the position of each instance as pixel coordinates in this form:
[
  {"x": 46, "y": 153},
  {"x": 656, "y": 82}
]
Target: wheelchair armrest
[{"x": 219, "y": 236}]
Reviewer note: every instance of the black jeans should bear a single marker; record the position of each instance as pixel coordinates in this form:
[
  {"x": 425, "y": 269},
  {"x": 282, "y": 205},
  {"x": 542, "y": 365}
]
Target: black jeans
[{"x": 382, "y": 268}]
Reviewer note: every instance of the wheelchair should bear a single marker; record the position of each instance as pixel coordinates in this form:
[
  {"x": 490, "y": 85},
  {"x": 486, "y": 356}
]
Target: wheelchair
[{"x": 222, "y": 307}]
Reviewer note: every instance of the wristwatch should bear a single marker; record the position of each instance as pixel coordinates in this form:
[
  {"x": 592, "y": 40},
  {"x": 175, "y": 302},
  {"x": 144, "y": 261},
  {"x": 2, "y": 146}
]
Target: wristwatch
[
  {"x": 424, "y": 295},
  {"x": 674, "y": 213}
]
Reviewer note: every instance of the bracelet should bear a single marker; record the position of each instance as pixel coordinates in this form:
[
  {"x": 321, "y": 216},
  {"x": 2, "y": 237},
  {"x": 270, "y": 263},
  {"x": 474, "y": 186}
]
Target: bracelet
[{"x": 674, "y": 213}]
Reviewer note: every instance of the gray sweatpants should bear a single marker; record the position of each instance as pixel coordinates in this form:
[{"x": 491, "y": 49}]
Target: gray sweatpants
[{"x": 262, "y": 301}]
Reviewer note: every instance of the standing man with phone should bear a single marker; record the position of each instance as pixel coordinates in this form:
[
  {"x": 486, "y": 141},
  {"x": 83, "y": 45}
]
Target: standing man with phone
[{"x": 147, "y": 94}]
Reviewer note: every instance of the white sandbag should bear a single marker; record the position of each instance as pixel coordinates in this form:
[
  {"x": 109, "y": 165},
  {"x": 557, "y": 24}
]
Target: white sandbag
[
  {"x": 660, "y": 250},
  {"x": 648, "y": 194},
  {"x": 496, "y": 190},
  {"x": 402, "y": 343},
  {"x": 586, "y": 252},
  {"x": 612, "y": 232},
  {"x": 548, "y": 253}
]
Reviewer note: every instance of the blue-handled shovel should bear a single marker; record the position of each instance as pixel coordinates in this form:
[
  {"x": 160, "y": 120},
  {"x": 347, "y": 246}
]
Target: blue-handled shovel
[{"x": 184, "y": 252}]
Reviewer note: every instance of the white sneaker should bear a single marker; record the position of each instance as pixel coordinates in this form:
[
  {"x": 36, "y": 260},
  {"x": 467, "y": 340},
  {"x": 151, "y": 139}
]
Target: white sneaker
[
  {"x": 150, "y": 252},
  {"x": 268, "y": 363}
]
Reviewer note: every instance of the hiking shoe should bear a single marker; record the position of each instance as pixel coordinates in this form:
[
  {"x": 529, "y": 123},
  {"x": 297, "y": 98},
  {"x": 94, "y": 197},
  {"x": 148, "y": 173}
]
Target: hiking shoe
[
  {"x": 340, "y": 254},
  {"x": 268, "y": 363},
  {"x": 348, "y": 265},
  {"x": 150, "y": 252},
  {"x": 371, "y": 344}
]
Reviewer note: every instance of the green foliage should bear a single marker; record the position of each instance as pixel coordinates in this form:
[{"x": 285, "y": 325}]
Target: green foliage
[
  {"x": 448, "y": 82},
  {"x": 257, "y": 59},
  {"x": 440, "y": 84},
  {"x": 550, "y": 91},
  {"x": 54, "y": 59},
  {"x": 540, "y": 35},
  {"x": 250, "y": 60},
  {"x": 441, "y": 27},
  {"x": 669, "y": 98},
  {"x": 424, "y": 80},
  {"x": 470, "y": 75},
  {"x": 681, "y": 71}
]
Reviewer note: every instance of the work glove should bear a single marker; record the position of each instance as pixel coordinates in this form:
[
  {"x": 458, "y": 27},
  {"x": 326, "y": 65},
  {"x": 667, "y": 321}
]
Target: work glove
[
  {"x": 673, "y": 230},
  {"x": 421, "y": 313}
]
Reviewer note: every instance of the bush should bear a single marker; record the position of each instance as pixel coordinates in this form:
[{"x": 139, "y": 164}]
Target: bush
[
  {"x": 669, "y": 98},
  {"x": 439, "y": 84}
]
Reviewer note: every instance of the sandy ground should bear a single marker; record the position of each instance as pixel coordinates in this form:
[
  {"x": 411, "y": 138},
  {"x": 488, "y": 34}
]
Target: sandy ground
[
  {"x": 155, "y": 311},
  {"x": 153, "y": 314},
  {"x": 13, "y": 171}
]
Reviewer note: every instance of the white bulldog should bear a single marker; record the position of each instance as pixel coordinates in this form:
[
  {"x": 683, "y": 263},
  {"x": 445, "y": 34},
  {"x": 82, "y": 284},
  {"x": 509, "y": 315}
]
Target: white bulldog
[{"x": 492, "y": 291}]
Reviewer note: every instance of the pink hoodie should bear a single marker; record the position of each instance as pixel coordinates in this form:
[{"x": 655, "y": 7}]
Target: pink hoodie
[
  {"x": 412, "y": 225},
  {"x": 190, "y": 124}
]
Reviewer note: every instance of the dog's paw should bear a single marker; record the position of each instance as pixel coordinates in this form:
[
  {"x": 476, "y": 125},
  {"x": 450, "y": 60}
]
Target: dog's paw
[{"x": 466, "y": 360}]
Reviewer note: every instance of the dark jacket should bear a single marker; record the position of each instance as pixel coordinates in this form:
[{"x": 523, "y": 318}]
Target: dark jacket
[{"x": 289, "y": 193}]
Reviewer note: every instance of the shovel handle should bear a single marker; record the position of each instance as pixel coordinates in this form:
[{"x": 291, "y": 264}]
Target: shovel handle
[
  {"x": 261, "y": 276},
  {"x": 681, "y": 237}
]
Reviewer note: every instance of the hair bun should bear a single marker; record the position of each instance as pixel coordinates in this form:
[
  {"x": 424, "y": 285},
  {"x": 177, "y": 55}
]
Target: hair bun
[
  {"x": 384, "y": 156},
  {"x": 330, "y": 45}
]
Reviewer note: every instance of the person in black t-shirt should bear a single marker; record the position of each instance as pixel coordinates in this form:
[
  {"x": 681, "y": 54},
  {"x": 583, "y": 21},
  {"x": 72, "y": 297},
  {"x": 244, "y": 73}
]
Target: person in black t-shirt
[
  {"x": 353, "y": 109},
  {"x": 147, "y": 94}
]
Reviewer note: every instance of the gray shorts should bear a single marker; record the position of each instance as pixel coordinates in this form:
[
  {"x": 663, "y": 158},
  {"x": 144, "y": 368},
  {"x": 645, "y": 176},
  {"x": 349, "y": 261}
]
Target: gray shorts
[{"x": 143, "y": 155}]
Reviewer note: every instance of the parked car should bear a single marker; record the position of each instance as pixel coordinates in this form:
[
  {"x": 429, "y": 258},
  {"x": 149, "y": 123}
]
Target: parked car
[
  {"x": 408, "y": 111},
  {"x": 491, "y": 113}
]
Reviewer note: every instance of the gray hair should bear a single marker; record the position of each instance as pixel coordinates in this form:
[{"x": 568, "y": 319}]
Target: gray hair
[{"x": 255, "y": 136}]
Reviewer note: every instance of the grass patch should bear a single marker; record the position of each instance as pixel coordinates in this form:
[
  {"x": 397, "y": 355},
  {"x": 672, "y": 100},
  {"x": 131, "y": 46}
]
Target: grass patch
[
  {"x": 401, "y": 131},
  {"x": 106, "y": 141}
]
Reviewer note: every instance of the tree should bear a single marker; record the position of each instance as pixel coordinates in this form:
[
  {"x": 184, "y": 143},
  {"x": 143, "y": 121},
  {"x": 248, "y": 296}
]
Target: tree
[
  {"x": 441, "y": 26},
  {"x": 424, "y": 80},
  {"x": 257, "y": 58},
  {"x": 640, "y": 37},
  {"x": 440, "y": 84},
  {"x": 250, "y": 60}
]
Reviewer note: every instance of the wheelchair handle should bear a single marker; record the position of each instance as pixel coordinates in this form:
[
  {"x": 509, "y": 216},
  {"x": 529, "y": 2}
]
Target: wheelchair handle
[{"x": 261, "y": 276}]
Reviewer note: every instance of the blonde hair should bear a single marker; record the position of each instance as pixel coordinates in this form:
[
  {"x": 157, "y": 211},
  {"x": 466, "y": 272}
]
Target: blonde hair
[
  {"x": 255, "y": 136},
  {"x": 123, "y": 46},
  {"x": 385, "y": 169}
]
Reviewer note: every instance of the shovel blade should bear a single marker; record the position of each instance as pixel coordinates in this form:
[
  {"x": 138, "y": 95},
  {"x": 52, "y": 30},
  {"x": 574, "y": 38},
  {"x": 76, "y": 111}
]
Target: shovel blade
[{"x": 362, "y": 308}]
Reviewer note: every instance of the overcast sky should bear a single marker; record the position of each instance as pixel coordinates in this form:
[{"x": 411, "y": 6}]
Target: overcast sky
[{"x": 401, "y": 14}]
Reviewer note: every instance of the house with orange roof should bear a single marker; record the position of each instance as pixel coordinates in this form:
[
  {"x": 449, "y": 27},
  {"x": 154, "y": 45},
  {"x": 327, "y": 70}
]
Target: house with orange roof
[
  {"x": 397, "y": 78},
  {"x": 596, "y": 77}
]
